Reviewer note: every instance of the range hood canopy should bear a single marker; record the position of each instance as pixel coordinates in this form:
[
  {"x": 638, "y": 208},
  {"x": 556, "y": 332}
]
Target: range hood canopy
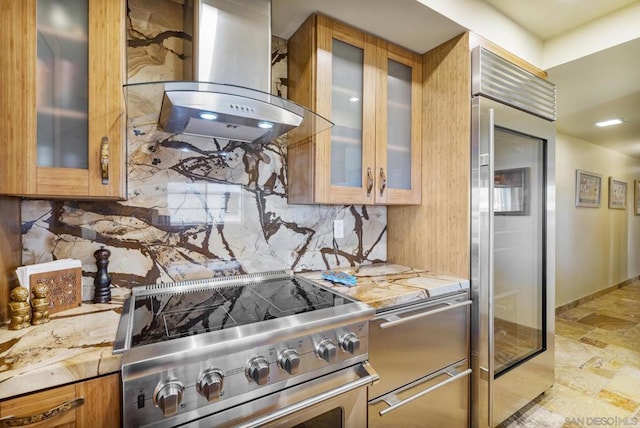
[
  {"x": 222, "y": 111},
  {"x": 231, "y": 66}
]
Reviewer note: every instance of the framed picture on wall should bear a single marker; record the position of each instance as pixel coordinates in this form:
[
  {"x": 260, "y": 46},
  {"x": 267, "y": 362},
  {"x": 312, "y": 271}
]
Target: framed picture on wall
[
  {"x": 617, "y": 194},
  {"x": 636, "y": 197},
  {"x": 588, "y": 189}
]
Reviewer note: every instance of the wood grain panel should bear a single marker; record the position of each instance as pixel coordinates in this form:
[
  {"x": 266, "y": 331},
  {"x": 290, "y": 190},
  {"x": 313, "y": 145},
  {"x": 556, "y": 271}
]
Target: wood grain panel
[
  {"x": 102, "y": 408},
  {"x": 18, "y": 99},
  {"x": 62, "y": 181},
  {"x": 107, "y": 74},
  {"x": 301, "y": 70},
  {"x": 435, "y": 234},
  {"x": 40, "y": 402},
  {"x": 10, "y": 250}
]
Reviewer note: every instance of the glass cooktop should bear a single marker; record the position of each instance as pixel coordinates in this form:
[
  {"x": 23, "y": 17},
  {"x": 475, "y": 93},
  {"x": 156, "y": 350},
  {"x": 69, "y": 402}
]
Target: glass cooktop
[{"x": 169, "y": 315}]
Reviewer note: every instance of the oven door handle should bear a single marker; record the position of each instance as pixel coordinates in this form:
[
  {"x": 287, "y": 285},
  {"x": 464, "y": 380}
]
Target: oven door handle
[
  {"x": 424, "y": 314},
  {"x": 391, "y": 398},
  {"x": 369, "y": 379}
]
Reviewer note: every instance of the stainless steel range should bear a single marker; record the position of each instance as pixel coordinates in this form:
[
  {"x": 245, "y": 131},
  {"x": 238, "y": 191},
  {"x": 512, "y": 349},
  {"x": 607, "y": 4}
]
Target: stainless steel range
[{"x": 250, "y": 350}]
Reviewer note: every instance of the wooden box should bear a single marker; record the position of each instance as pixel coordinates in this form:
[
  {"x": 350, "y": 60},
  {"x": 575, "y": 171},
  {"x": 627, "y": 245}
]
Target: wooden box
[{"x": 65, "y": 288}]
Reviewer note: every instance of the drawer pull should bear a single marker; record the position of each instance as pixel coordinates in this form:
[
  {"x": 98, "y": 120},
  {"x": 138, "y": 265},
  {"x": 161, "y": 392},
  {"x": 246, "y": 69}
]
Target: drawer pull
[
  {"x": 396, "y": 404},
  {"x": 20, "y": 421},
  {"x": 424, "y": 314},
  {"x": 104, "y": 160}
]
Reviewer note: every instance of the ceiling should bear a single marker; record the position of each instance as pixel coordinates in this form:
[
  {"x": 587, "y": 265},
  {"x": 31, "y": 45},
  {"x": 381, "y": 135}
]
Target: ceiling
[{"x": 599, "y": 86}]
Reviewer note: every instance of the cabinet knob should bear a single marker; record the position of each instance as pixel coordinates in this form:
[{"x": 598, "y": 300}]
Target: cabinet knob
[
  {"x": 369, "y": 182},
  {"x": 104, "y": 160}
]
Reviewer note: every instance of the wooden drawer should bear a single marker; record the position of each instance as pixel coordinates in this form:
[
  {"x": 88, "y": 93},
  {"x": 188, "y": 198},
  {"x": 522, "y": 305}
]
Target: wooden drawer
[{"x": 94, "y": 403}]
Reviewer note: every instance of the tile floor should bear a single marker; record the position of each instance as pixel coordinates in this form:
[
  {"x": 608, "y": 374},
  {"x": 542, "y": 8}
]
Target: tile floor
[{"x": 597, "y": 367}]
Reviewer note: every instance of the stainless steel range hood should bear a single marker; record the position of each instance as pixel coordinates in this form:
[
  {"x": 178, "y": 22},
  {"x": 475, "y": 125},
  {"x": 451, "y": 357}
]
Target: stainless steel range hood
[{"x": 226, "y": 91}]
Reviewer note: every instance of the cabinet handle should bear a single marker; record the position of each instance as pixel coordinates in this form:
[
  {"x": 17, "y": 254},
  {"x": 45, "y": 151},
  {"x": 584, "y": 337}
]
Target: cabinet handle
[
  {"x": 383, "y": 181},
  {"x": 104, "y": 160},
  {"x": 369, "y": 182},
  {"x": 19, "y": 421}
]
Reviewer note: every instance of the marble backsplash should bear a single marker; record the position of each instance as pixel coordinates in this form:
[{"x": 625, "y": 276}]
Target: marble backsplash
[{"x": 197, "y": 207}]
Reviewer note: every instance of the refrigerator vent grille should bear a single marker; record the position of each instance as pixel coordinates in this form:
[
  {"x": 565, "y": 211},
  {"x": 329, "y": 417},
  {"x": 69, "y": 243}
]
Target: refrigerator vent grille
[{"x": 498, "y": 79}]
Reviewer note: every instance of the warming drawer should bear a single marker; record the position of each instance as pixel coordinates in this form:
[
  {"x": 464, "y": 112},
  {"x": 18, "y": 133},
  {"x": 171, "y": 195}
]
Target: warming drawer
[
  {"x": 439, "y": 400},
  {"x": 409, "y": 343}
]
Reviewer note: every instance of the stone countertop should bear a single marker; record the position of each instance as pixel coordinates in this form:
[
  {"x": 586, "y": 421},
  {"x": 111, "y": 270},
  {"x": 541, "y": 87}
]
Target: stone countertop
[
  {"x": 75, "y": 345},
  {"x": 385, "y": 285}
]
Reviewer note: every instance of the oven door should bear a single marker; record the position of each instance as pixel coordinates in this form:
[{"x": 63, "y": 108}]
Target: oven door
[{"x": 338, "y": 399}]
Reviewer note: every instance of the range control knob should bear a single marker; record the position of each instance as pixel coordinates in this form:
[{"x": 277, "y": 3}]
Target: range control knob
[
  {"x": 168, "y": 396},
  {"x": 350, "y": 343},
  {"x": 258, "y": 370},
  {"x": 326, "y": 350},
  {"x": 289, "y": 360},
  {"x": 210, "y": 384}
]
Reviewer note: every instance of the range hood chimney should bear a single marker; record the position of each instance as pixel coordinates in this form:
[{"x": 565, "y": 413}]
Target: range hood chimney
[{"x": 226, "y": 91}]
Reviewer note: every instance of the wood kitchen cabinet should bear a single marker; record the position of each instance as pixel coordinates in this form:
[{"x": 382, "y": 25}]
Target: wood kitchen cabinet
[
  {"x": 371, "y": 90},
  {"x": 61, "y": 74},
  {"x": 91, "y": 403}
]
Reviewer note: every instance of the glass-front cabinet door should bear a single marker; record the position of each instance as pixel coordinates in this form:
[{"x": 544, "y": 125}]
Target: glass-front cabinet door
[
  {"x": 398, "y": 134},
  {"x": 351, "y": 106},
  {"x": 371, "y": 91},
  {"x": 63, "y": 71}
]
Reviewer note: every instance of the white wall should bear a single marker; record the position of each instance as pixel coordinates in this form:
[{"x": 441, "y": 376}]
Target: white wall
[
  {"x": 595, "y": 247},
  {"x": 489, "y": 23}
]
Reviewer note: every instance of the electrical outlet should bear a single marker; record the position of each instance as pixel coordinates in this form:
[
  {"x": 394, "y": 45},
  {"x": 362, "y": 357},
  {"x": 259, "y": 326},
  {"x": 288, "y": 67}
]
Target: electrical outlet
[{"x": 338, "y": 229}]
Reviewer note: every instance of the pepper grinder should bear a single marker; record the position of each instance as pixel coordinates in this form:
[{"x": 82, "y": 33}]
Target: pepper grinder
[{"x": 102, "y": 283}]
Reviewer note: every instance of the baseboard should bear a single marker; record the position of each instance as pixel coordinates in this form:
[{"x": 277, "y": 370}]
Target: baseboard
[{"x": 595, "y": 295}]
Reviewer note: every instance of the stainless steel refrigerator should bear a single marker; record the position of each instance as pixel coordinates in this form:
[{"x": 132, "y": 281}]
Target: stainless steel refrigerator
[{"x": 512, "y": 237}]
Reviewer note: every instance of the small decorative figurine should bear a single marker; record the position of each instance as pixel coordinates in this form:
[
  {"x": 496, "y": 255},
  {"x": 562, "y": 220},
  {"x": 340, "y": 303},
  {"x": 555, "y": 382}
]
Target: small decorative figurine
[
  {"x": 40, "y": 304},
  {"x": 20, "y": 310},
  {"x": 102, "y": 283}
]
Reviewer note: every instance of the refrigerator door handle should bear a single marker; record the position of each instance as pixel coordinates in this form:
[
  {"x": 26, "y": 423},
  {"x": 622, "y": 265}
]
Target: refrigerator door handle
[{"x": 490, "y": 290}]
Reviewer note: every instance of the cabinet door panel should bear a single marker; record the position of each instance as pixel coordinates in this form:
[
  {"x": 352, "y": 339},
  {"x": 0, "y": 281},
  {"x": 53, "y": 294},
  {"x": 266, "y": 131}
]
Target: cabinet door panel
[
  {"x": 63, "y": 70},
  {"x": 398, "y": 153},
  {"x": 372, "y": 154},
  {"x": 61, "y": 83},
  {"x": 349, "y": 76}
]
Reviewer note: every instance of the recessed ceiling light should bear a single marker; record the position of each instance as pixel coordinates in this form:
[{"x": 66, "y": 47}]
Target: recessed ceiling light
[{"x": 609, "y": 122}]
